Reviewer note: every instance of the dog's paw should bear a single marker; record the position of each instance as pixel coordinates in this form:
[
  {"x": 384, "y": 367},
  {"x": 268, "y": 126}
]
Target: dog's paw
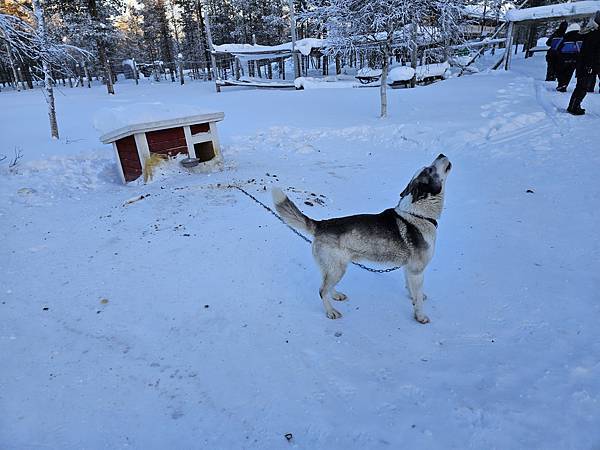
[
  {"x": 339, "y": 296},
  {"x": 334, "y": 314},
  {"x": 422, "y": 318}
]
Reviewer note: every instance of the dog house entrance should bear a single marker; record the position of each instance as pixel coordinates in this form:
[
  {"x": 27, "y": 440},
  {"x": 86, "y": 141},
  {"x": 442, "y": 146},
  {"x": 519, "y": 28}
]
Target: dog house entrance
[{"x": 204, "y": 151}]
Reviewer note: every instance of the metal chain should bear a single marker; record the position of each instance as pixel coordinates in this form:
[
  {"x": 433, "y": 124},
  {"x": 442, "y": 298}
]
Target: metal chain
[{"x": 362, "y": 266}]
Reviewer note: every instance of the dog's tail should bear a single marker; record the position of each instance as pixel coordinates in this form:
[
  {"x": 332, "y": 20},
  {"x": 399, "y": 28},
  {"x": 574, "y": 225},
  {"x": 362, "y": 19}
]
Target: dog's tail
[{"x": 290, "y": 212}]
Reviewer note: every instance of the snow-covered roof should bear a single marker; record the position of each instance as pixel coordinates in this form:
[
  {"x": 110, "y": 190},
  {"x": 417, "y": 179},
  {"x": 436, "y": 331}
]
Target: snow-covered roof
[
  {"x": 249, "y": 51},
  {"x": 116, "y": 123},
  {"x": 558, "y": 11},
  {"x": 425, "y": 35}
]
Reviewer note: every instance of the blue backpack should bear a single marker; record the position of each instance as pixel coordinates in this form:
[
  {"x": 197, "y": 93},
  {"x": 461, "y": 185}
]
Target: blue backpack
[
  {"x": 571, "y": 47},
  {"x": 555, "y": 43}
]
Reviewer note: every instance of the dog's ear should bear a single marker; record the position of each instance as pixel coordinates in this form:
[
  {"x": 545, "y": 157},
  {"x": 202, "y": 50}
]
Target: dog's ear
[{"x": 423, "y": 185}]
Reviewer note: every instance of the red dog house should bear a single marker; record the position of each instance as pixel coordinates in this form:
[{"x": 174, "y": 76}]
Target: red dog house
[{"x": 194, "y": 135}]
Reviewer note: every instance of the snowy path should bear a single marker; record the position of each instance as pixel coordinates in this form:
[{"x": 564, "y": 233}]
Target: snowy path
[{"x": 212, "y": 335}]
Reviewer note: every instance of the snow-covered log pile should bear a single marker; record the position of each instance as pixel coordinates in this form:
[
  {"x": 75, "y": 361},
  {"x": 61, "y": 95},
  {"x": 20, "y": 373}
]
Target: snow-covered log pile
[
  {"x": 401, "y": 73},
  {"x": 439, "y": 70},
  {"x": 406, "y": 73},
  {"x": 367, "y": 72}
]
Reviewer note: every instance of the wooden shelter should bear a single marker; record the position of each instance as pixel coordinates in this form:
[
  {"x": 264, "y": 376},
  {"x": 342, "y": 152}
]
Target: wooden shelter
[
  {"x": 194, "y": 135},
  {"x": 562, "y": 11}
]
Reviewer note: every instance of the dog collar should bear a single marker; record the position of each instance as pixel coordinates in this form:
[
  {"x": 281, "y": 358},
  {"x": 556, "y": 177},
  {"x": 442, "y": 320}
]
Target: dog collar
[{"x": 428, "y": 219}]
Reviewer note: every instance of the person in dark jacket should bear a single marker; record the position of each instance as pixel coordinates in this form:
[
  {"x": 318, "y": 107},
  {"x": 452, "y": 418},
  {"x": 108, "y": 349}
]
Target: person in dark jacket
[
  {"x": 592, "y": 84},
  {"x": 588, "y": 66},
  {"x": 568, "y": 51},
  {"x": 551, "y": 55}
]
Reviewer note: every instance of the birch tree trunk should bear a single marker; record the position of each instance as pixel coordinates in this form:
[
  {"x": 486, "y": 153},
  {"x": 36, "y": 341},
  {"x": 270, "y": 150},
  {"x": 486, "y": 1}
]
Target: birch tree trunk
[
  {"x": 109, "y": 76},
  {"x": 384, "y": 74},
  {"x": 41, "y": 28},
  {"x": 11, "y": 61},
  {"x": 414, "y": 53},
  {"x": 181, "y": 77}
]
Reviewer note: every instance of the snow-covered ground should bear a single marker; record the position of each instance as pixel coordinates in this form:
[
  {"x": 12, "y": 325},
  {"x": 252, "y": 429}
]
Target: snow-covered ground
[{"x": 191, "y": 319}]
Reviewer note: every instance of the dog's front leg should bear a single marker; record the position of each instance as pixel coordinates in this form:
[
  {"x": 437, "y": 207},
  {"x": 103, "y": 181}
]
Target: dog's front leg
[{"x": 415, "y": 286}]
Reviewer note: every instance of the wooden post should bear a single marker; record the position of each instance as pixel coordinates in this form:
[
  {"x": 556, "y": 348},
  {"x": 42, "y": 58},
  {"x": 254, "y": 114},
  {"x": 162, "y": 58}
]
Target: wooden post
[
  {"x": 483, "y": 18},
  {"x": 282, "y": 68},
  {"x": 237, "y": 69},
  {"x": 211, "y": 49},
  {"x": 88, "y": 77},
  {"x": 507, "y": 51},
  {"x": 256, "y": 64},
  {"x": 293, "y": 29}
]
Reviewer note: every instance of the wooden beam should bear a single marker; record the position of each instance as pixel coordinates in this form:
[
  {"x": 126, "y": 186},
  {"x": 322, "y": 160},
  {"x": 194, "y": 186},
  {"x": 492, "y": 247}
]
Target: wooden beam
[{"x": 509, "y": 40}]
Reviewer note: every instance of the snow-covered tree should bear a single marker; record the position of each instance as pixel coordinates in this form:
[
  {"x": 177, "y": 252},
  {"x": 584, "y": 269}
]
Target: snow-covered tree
[
  {"x": 30, "y": 41},
  {"x": 44, "y": 48},
  {"x": 382, "y": 24},
  {"x": 194, "y": 46}
]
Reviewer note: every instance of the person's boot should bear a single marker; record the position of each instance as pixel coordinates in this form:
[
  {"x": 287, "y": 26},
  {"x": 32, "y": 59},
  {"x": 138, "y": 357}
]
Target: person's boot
[
  {"x": 574, "y": 107},
  {"x": 561, "y": 89}
]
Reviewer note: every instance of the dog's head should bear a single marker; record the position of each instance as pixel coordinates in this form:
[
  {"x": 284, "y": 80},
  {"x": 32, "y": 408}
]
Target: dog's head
[{"x": 425, "y": 190}]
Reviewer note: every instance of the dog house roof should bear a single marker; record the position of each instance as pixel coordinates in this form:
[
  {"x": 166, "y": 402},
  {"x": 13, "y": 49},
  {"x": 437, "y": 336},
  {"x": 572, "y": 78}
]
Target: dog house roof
[{"x": 120, "y": 122}]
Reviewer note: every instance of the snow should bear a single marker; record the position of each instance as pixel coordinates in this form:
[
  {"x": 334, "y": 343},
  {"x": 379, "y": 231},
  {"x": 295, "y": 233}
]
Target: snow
[
  {"x": 129, "y": 63},
  {"x": 554, "y": 11},
  {"x": 248, "y": 51},
  {"x": 401, "y": 73},
  {"x": 258, "y": 82},
  {"x": 405, "y": 73},
  {"x": 306, "y": 45},
  {"x": 135, "y": 113},
  {"x": 483, "y": 9},
  {"x": 433, "y": 70},
  {"x": 332, "y": 81},
  {"x": 368, "y": 72},
  {"x": 190, "y": 318}
]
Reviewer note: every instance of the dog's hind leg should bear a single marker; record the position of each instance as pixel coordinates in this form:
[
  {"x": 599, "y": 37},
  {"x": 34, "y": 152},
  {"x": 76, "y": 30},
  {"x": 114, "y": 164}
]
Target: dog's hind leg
[
  {"x": 330, "y": 278},
  {"x": 415, "y": 286},
  {"x": 408, "y": 288},
  {"x": 333, "y": 266},
  {"x": 339, "y": 296}
]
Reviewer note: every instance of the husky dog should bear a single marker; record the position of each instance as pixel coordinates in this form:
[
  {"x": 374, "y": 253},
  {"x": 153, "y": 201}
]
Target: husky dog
[{"x": 404, "y": 235}]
